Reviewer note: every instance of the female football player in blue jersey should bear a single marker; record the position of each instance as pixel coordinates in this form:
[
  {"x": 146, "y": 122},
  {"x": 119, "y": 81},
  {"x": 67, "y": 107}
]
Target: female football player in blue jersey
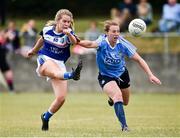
[
  {"x": 113, "y": 74},
  {"x": 56, "y": 38}
]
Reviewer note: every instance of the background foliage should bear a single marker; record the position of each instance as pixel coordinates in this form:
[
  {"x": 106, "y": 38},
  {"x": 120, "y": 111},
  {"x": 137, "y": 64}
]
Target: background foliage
[{"x": 78, "y": 7}]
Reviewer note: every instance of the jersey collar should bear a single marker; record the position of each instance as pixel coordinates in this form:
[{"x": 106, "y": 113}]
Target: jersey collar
[
  {"x": 56, "y": 32},
  {"x": 118, "y": 41}
]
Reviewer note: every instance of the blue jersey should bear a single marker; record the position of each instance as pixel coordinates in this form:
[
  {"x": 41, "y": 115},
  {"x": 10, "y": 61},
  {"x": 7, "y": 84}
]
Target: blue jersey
[
  {"x": 56, "y": 45},
  {"x": 111, "y": 60}
]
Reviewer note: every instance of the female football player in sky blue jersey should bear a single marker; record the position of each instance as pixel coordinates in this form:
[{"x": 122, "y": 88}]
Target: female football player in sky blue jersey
[
  {"x": 113, "y": 74},
  {"x": 56, "y": 38}
]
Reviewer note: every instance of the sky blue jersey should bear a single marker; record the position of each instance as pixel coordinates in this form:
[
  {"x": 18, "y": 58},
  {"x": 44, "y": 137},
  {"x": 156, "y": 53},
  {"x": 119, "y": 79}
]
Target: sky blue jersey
[
  {"x": 111, "y": 60},
  {"x": 56, "y": 45}
]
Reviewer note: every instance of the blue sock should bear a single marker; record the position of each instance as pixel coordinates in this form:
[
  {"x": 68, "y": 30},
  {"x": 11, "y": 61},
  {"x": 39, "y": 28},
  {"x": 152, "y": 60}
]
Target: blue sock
[
  {"x": 68, "y": 75},
  {"x": 118, "y": 107},
  {"x": 47, "y": 115}
]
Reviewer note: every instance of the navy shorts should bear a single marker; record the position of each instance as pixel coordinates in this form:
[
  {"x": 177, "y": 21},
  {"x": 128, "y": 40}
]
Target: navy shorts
[{"x": 123, "y": 81}]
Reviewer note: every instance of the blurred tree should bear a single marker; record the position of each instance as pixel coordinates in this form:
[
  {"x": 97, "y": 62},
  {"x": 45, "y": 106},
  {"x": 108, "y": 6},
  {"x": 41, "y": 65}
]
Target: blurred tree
[
  {"x": 3, "y": 12},
  {"x": 78, "y": 7}
]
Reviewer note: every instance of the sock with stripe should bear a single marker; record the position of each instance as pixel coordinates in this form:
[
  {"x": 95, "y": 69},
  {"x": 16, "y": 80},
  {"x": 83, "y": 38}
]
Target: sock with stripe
[
  {"x": 47, "y": 115},
  {"x": 119, "y": 110}
]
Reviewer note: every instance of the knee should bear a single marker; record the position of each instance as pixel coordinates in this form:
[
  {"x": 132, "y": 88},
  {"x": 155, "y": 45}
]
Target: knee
[
  {"x": 126, "y": 100},
  {"x": 42, "y": 70},
  {"x": 60, "y": 99},
  {"x": 125, "y": 103},
  {"x": 118, "y": 98},
  {"x": 9, "y": 75}
]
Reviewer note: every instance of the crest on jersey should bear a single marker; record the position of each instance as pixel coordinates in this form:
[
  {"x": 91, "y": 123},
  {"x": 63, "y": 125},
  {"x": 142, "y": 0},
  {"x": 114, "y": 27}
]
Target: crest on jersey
[
  {"x": 57, "y": 41},
  {"x": 115, "y": 55}
]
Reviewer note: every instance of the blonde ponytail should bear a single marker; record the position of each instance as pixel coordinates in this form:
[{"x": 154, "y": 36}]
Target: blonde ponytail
[{"x": 50, "y": 23}]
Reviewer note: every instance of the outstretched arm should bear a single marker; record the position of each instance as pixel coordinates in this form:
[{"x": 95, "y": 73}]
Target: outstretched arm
[
  {"x": 145, "y": 67},
  {"x": 72, "y": 38},
  {"x": 36, "y": 48},
  {"x": 88, "y": 44}
]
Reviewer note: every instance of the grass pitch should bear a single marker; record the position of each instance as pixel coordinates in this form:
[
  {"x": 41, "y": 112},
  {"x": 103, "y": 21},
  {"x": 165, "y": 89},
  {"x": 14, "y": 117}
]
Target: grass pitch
[{"x": 88, "y": 114}]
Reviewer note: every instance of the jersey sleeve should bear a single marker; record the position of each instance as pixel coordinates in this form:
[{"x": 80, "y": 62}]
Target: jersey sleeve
[
  {"x": 99, "y": 41},
  {"x": 41, "y": 33},
  {"x": 129, "y": 48},
  {"x": 77, "y": 38},
  {"x": 45, "y": 29}
]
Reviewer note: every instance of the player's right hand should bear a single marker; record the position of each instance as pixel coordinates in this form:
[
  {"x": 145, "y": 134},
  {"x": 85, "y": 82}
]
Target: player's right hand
[
  {"x": 153, "y": 79},
  {"x": 30, "y": 53},
  {"x": 67, "y": 31}
]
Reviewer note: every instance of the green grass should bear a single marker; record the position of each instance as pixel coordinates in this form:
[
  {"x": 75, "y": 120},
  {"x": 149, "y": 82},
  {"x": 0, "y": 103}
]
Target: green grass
[
  {"x": 155, "y": 44},
  {"x": 87, "y": 114},
  {"x": 82, "y": 24}
]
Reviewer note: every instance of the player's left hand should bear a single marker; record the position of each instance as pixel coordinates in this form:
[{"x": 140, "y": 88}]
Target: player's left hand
[{"x": 153, "y": 79}]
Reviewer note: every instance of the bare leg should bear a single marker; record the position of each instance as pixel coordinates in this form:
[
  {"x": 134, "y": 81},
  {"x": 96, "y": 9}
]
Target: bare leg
[
  {"x": 52, "y": 70},
  {"x": 60, "y": 91},
  {"x": 9, "y": 79},
  {"x": 116, "y": 95},
  {"x": 126, "y": 95}
]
